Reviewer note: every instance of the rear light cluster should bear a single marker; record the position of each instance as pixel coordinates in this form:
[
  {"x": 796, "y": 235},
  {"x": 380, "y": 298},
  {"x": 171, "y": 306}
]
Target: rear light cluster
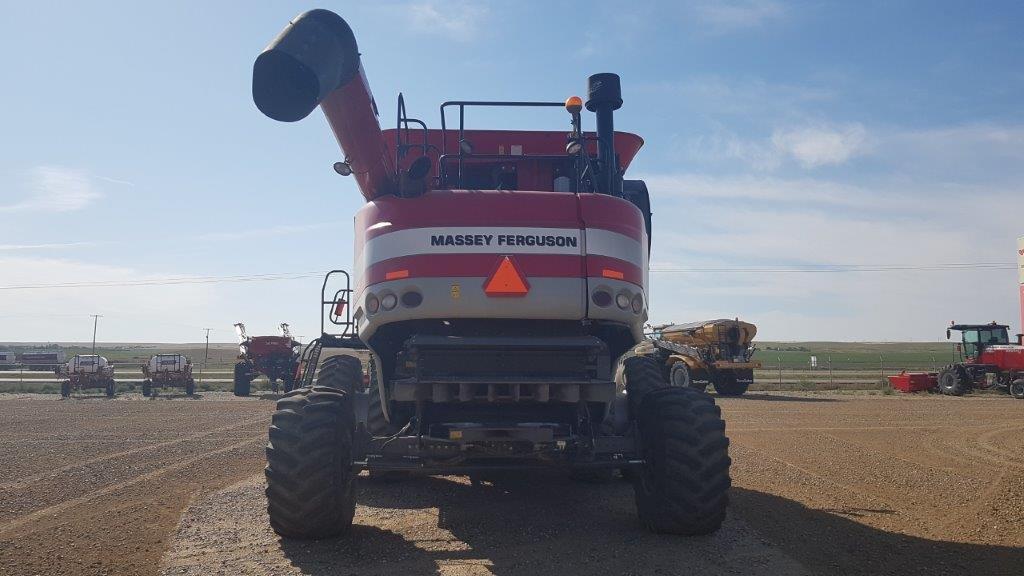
[
  {"x": 389, "y": 301},
  {"x": 624, "y": 299}
]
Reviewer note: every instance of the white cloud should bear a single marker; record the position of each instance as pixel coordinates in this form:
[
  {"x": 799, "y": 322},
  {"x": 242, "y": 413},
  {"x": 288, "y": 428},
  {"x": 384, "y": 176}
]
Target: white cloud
[
  {"x": 815, "y": 146},
  {"x": 55, "y": 189},
  {"x": 461, "y": 21},
  {"x": 809, "y": 145},
  {"x": 740, "y": 222},
  {"x": 721, "y": 16},
  {"x": 47, "y": 246}
]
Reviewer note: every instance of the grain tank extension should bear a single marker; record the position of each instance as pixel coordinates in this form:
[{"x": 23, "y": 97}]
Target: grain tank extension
[{"x": 500, "y": 281}]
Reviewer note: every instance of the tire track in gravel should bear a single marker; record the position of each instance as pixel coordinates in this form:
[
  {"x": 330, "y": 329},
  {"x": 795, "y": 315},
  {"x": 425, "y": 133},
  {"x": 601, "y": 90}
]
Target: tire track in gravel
[
  {"x": 7, "y": 527},
  {"x": 27, "y": 480}
]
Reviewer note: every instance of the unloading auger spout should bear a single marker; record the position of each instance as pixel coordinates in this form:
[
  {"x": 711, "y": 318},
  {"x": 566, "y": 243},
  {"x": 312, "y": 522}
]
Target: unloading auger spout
[{"x": 314, "y": 62}]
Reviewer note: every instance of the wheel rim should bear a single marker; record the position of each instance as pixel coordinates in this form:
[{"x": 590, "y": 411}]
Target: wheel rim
[{"x": 680, "y": 377}]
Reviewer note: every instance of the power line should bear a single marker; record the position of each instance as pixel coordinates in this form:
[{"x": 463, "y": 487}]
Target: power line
[{"x": 171, "y": 281}]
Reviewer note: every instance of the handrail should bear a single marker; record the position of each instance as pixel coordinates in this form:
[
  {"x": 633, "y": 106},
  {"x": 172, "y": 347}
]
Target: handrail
[{"x": 462, "y": 104}]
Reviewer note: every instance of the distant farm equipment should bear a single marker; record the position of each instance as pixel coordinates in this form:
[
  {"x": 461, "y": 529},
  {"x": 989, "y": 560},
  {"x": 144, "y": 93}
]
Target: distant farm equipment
[
  {"x": 694, "y": 355},
  {"x": 168, "y": 371},
  {"x": 42, "y": 359},
  {"x": 8, "y": 360},
  {"x": 275, "y": 357},
  {"x": 85, "y": 371},
  {"x": 987, "y": 360}
]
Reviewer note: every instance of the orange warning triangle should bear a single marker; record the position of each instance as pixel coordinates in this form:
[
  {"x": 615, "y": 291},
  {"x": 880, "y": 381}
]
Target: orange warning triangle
[{"x": 506, "y": 280}]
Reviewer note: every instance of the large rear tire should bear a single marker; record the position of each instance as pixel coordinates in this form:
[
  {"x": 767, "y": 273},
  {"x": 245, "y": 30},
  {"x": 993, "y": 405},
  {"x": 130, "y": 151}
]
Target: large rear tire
[
  {"x": 190, "y": 387},
  {"x": 1017, "y": 389},
  {"x": 952, "y": 380},
  {"x": 110, "y": 388},
  {"x": 683, "y": 486},
  {"x": 65, "y": 389},
  {"x": 376, "y": 423},
  {"x": 310, "y": 481},
  {"x": 147, "y": 387},
  {"x": 732, "y": 382},
  {"x": 243, "y": 382}
]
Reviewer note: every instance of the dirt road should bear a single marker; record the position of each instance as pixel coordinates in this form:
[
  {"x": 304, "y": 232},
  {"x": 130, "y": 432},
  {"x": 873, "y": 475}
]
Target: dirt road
[{"x": 824, "y": 484}]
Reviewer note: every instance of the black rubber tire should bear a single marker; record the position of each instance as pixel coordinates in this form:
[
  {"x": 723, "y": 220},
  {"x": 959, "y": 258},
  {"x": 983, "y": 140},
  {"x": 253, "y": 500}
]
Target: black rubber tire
[
  {"x": 65, "y": 389},
  {"x": 593, "y": 476},
  {"x": 147, "y": 388},
  {"x": 310, "y": 482},
  {"x": 642, "y": 375},
  {"x": 190, "y": 387},
  {"x": 683, "y": 487},
  {"x": 243, "y": 384},
  {"x": 110, "y": 388},
  {"x": 376, "y": 423},
  {"x": 288, "y": 384},
  {"x": 344, "y": 373},
  {"x": 952, "y": 380},
  {"x": 1017, "y": 389},
  {"x": 728, "y": 383}
]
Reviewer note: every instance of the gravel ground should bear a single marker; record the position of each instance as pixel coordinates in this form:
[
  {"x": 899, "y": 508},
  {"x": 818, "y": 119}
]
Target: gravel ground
[
  {"x": 824, "y": 484},
  {"x": 96, "y": 486}
]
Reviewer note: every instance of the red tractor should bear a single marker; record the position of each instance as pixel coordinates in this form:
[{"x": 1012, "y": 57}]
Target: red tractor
[
  {"x": 501, "y": 282},
  {"x": 987, "y": 360},
  {"x": 275, "y": 357}
]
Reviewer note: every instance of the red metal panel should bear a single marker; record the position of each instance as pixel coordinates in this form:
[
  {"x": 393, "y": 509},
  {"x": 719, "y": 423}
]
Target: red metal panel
[
  {"x": 913, "y": 381},
  {"x": 350, "y": 112}
]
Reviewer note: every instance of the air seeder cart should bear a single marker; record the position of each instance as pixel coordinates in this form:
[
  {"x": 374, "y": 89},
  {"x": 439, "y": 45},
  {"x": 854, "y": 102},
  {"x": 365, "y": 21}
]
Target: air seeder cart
[
  {"x": 275, "y": 357},
  {"x": 168, "y": 371},
  {"x": 715, "y": 352},
  {"x": 501, "y": 282},
  {"x": 84, "y": 371}
]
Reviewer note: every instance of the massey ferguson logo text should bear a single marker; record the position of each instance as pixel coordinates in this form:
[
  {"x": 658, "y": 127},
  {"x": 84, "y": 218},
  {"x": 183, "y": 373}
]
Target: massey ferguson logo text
[{"x": 503, "y": 240}]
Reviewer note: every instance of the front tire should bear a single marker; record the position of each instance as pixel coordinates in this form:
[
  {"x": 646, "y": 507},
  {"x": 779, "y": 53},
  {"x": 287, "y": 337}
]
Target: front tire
[
  {"x": 243, "y": 381},
  {"x": 310, "y": 481},
  {"x": 952, "y": 381},
  {"x": 65, "y": 389},
  {"x": 1017, "y": 389},
  {"x": 683, "y": 486},
  {"x": 147, "y": 388},
  {"x": 110, "y": 388},
  {"x": 190, "y": 387}
]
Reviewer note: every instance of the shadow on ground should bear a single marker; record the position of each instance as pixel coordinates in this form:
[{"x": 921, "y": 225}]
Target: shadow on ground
[{"x": 551, "y": 525}]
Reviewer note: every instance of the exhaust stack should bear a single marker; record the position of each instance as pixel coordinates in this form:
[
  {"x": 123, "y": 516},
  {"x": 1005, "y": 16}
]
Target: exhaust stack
[
  {"x": 604, "y": 96},
  {"x": 314, "y": 62}
]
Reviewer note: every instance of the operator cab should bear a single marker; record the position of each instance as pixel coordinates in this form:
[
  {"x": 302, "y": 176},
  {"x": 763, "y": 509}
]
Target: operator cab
[{"x": 975, "y": 337}]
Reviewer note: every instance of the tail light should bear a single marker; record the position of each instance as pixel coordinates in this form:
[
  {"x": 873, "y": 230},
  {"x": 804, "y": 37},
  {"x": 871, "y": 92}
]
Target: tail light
[
  {"x": 372, "y": 304},
  {"x": 602, "y": 298}
]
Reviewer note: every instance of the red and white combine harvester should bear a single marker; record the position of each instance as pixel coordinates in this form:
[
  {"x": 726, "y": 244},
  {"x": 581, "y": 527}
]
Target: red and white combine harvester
[
  {"x": 84, "y": 371},
  {"x": 168, "y": 371},
  {"x": 275, "y": 357},
  {"x": 501, "y": 283},
  {"x": 987, "y": 360}
]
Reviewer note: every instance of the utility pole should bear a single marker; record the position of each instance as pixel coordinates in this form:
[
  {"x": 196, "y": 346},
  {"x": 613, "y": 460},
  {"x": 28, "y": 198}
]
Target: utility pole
[
  {"x": 206, "y": 356},
  {"x": 95, "y": 322}
]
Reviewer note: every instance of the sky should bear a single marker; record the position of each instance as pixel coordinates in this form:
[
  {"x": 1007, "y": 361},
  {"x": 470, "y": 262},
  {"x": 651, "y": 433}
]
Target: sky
[{"x": 815, "y": 167}]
